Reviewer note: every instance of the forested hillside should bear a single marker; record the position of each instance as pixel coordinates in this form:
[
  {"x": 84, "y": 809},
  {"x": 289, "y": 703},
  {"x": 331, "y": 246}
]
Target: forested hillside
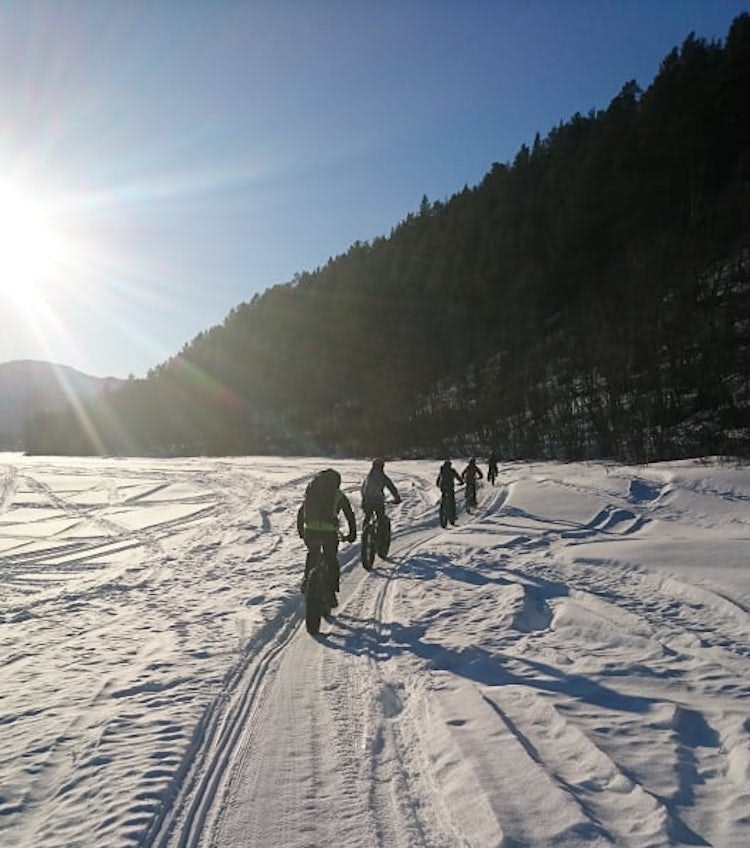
[
  {"x": 591, "y": 298},
  {"x": 28, "y": 387}
]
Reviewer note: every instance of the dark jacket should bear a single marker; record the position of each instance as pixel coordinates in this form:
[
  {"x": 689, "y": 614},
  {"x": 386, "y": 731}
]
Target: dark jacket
[
  {"x": 472, "y": 473},
  {"x": 447, "y": 476},
  {"x": 374, "y": 485}
]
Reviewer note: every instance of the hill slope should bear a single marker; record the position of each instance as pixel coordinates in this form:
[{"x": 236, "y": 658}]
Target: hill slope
[
  {"x": 28, "y": 387},
  {"x": 589, "y": 299}
]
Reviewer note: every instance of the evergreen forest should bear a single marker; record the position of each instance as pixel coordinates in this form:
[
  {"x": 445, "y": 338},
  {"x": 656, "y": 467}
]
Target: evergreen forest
[{"x": 589, "y": 299}]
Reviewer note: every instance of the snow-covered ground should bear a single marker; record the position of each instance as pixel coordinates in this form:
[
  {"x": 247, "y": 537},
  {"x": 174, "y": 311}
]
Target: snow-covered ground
[{"x": 569, "y": 666}]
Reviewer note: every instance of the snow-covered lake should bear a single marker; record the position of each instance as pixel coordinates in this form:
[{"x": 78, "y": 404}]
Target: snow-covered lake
[{"x": 569, "y": 666}]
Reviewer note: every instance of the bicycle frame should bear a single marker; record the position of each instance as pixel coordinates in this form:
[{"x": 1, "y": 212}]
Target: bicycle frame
[
  {"x": 471, "y": 494},
  {"x": 376, "y": 538},
  {"x": 318, "y": 592},
  {"x": 447, "y": 509}
]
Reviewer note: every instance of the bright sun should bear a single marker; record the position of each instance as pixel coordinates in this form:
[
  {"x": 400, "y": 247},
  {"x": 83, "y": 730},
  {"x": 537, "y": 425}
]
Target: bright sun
[{"x": 31, "y": 252}]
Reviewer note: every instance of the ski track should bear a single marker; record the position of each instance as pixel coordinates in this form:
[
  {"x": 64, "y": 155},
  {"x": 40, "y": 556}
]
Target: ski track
[
  {"x": 70, "y": 587},
  {"x": 294, "y": 741}
]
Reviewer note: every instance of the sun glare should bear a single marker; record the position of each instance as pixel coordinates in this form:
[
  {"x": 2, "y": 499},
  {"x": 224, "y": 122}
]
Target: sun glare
[{"x": 31, "y": 252}]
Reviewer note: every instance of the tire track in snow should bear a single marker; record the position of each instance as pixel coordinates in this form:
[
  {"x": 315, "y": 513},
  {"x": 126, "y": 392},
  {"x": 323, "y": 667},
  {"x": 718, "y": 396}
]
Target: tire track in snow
[
  {"x": 414, "y": 803},
  {"x": 490, "y": 781},
  {"x": 8, "y": 484},
  {"x": 690, "y": 628},
  {"x": 400, "y": 811},
  {"x": 678, "y": 612},
  {"x": 406, "y": 810},
  {"x": 616, "y": 806},
  {"x": 382, "y": 793},
  {"x": 223, "y": 763},
  {"x": 216, "y": 741},
  {"x": 698, "y": 743}
]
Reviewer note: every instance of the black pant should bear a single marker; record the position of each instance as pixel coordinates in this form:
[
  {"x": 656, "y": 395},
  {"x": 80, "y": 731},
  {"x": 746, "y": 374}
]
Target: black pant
[
  {"x": 449, "y": 496},
  {"x": 326, "y": 541},
  {"x": 368, "y": 507}
]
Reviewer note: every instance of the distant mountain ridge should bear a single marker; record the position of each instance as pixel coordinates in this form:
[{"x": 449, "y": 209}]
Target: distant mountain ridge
[{"x": 29, "y": 386}]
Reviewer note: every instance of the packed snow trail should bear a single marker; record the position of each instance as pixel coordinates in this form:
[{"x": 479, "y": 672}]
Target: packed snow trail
[
  {"x": 338, "y": 771},
  {"x": 380, "y": 733},
  {"x": 568, "y": 666}
]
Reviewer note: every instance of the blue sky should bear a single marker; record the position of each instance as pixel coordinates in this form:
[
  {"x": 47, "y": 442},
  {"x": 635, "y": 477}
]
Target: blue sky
[{"x": 182, "y": 156}]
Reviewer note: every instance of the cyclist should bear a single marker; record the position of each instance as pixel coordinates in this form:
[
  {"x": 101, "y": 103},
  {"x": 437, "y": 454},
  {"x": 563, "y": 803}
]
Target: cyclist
[
  {"x": 470, "y": 475},
  {"x": 446, "y": 478},
  {"x": 318, "y": 524},
  {"x": 492, "y": 467},
  {"x": 373, "y": 491}
]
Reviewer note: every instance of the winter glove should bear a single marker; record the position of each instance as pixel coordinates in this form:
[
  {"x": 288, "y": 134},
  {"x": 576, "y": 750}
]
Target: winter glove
[{"x": 352, "y": 536}]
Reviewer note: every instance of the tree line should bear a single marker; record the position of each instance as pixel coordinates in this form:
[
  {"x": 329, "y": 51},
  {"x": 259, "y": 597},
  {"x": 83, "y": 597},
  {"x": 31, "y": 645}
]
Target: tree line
[{"x": 589, "y": 298}]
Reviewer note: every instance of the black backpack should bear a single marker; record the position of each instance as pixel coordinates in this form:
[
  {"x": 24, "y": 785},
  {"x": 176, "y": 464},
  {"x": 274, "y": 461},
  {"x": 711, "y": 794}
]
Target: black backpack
[{"x": 320, "y": 497}]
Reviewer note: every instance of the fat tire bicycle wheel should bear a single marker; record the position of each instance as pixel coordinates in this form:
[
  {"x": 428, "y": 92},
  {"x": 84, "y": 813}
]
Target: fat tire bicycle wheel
[
  {"x": 471, "y": 497},
  {"x": 368, "y": 545},
  {"x": 384, "y": 538},
  {"x": 317, "y": 598},
  {"x": 443, "y": 513},
  {"x": 313, "y": 602}
]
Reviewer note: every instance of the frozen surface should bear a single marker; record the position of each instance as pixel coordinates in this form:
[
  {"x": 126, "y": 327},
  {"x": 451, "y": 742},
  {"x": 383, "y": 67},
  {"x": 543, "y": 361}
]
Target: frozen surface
[{"x": 569, "y": 666}]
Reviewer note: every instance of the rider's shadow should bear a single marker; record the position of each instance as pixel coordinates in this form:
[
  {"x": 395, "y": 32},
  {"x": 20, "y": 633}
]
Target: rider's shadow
[
  {"x": 361, "y": 637},
  {"x": 428, "y": 566},
  {"x": 383, "y": 641}
]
